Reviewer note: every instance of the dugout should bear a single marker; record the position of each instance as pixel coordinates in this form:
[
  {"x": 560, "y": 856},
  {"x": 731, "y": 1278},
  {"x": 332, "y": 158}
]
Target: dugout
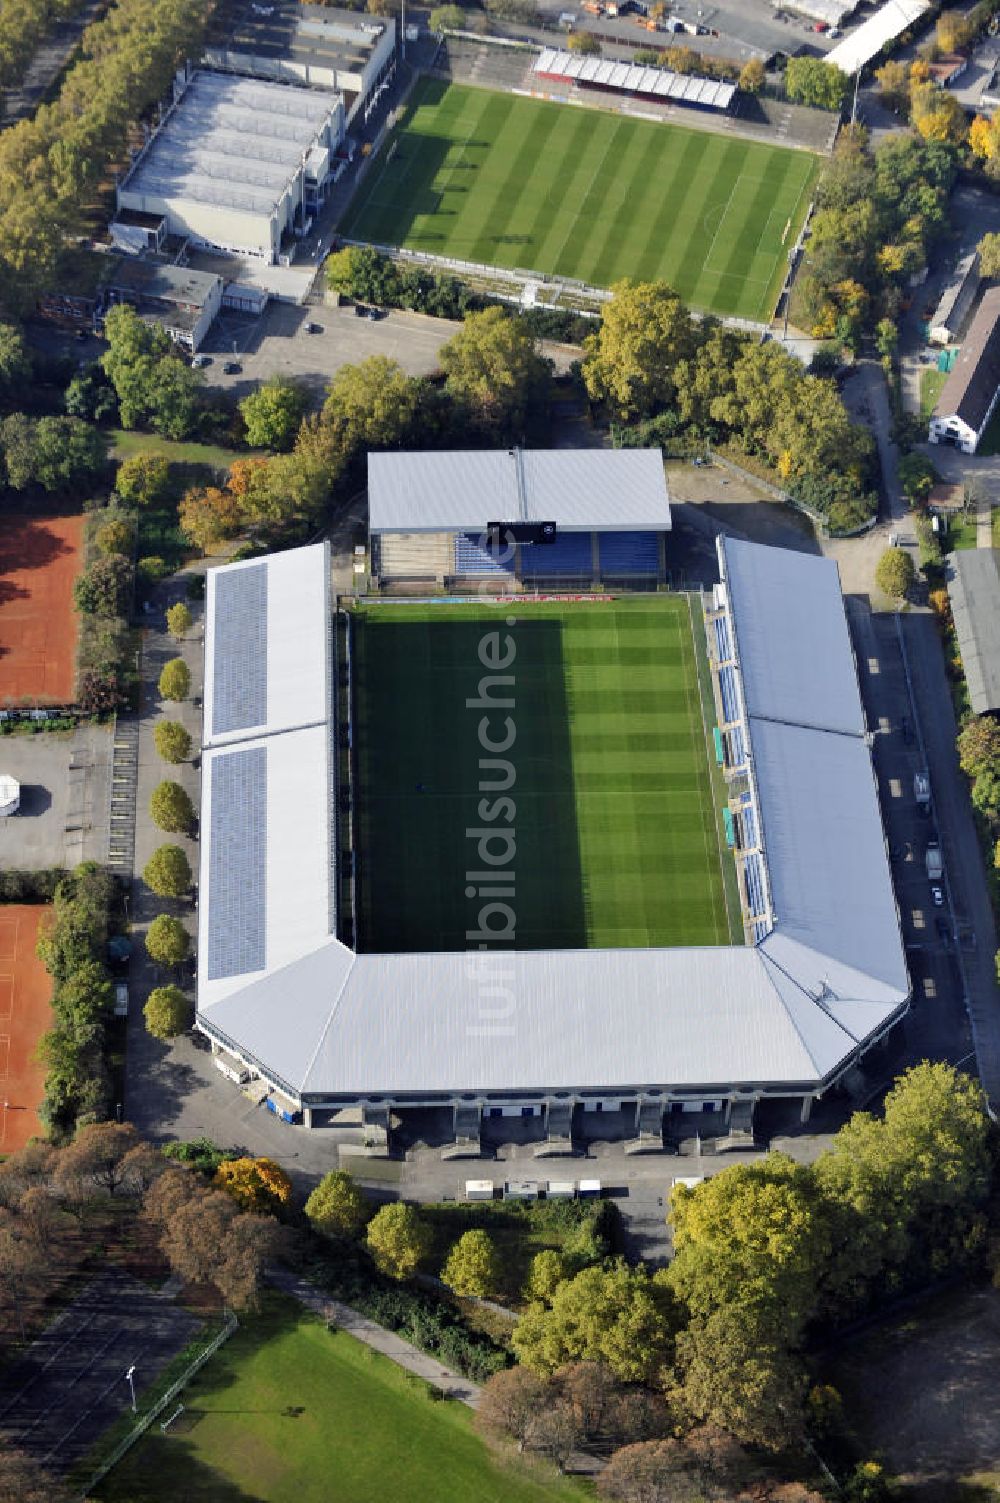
[{"x": 567, "y": 519}]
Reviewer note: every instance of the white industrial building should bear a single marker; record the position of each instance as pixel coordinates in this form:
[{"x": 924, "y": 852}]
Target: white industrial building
[
  {"x": 285, "y": 41},
  {"x": 821, "y": 978},
  {"x": 237, "y": 165},
  {"x": 969, "y": 397}
]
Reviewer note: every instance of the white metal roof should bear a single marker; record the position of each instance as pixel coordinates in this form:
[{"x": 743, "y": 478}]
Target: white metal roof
[
  {"x": 888, "y": 22},
  {"x": 711, "y": 93},
  {"x": 296, "y": 656},
  {"x": 235, "y": 142},
  {"x": 789, "y": 617},
  {"x": 324, "y": 1022},
  {"x": 461, "y": 490},
  {"x": 832, "y": 12}
]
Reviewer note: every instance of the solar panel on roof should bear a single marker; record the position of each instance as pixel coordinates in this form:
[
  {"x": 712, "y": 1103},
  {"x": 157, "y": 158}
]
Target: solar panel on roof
[
  {"x": 237, "y": 863},
  {"x": 239, "y": 688}
]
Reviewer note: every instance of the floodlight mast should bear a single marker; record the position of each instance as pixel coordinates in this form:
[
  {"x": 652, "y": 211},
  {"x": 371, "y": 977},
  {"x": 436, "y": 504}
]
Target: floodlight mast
[{"x": 130, "y": 1380}]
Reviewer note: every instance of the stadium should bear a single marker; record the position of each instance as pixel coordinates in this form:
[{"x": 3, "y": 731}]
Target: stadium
[
  {"x": 505, "y": 181},
  {"x": 516, "y": 855}
]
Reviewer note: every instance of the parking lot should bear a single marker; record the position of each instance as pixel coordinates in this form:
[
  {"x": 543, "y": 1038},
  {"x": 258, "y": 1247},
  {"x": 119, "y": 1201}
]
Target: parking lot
[{"x": 65, "y": 787}]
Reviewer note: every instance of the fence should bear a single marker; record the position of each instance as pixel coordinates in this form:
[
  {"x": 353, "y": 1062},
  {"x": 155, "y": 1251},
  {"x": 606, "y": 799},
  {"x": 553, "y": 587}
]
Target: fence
[
  {"x": 776, "y": 492},
  {"x": 144, "y": 1421}
]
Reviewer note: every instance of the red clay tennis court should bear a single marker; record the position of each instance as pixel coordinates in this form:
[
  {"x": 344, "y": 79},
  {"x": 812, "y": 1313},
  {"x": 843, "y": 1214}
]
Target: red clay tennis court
[
  {"x": 25, "y": 1014},
  {"x": 39, "y": 560}
]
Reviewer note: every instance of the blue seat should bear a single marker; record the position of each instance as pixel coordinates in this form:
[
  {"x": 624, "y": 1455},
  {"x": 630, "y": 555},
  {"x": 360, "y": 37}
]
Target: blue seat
[
  {"x": 570, "y": 554},
  {"x": 472, "y": 558},
  {"x": 629, "y": 553}
]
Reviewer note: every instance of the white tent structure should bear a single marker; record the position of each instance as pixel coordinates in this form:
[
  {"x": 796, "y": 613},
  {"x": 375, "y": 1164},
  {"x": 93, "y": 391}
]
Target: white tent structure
[
  {"x": 10, "y": 795},
  {"x": 888, "y": 22}
]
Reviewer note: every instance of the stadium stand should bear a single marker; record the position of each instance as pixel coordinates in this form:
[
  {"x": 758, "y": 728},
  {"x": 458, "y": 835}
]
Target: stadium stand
[
  {"x": 628, "y": 553},
  {"x": 571, "y": 556},
  {"x": 473, "y": 559}
]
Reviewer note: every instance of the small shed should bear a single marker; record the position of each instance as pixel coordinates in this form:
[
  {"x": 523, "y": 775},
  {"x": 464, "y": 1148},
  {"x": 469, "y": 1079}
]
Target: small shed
[{"x": 10, "y": 795}]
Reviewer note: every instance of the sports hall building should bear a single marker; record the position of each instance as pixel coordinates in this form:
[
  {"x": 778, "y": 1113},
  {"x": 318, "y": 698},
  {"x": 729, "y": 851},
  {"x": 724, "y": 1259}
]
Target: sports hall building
[{"x": 820, "y": 978}]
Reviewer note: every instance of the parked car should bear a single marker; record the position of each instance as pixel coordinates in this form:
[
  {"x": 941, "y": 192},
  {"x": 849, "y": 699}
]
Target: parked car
[
  {"x": 231, "y": 367},
  {"x": 312, "y": 328},
  {"x": 938, "y": 897},
  {"x": 200, "y": 361}
]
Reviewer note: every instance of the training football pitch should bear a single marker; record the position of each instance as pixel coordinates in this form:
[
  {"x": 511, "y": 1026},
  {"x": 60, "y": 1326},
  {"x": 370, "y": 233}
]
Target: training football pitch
[
  {"x": 609, "y": 785},
  {"x": 587, "y": 194}
]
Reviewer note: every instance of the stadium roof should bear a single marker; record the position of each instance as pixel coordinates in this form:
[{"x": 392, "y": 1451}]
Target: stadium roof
[
  {"x": 234, "y": 142},
  {"x": 461, "y": 490},
  {"x": 888, "y": 22},
  {"x": 628, "y": 78},
  {"x": 974, "y": 591},
  {"x": 278, "y": 987}
]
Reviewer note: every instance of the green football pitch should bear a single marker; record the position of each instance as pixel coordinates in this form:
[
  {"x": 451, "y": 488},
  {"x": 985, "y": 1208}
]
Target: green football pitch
[
  {"x": 613, "y": 814},
  {"x": 587, "y": 194}
]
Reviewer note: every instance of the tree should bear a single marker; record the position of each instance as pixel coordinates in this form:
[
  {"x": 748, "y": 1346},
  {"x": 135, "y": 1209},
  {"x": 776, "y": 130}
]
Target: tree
[
  {"x": 556, "y": 1432},
  {"x": 371, "y": 405},
  {"x": 510, "y": 1401},
  {"x": 547, "y": 1272},
  {"x": 397, "y": 1240},
  {"x": 151, "y": 381},
  {"x": 15, "y": 362},
  {"x": 168, "y": 872},
  {"x": 979, "y": 745},
  {"x": 917, "y": 477},
  {"x": 17, "y": 441},
  {"x": 893, "y": 85},
  {"x": 583, "y": 42},
  {"x": 179, "y": 620},
  {"x": 167, "y": 1012},
  {"x": 989, "y": 255},
  {"x": 94, "y": 1160},
  {"x": 649, "y": 1472},
  {"x": 728, "y": 1373},
  {"x": 167, "y": 941},
  {"x": 91, "y": 396},
  {"x": 175, "y": 680},
  {"x": 937, "y": 114},
  {"x": 22, "y": 1480},
  {"x": 613, "y": 1314},
  {"x": 143, "y": 480},
  {"x": 209, "y": 517},
  {"x": 593, "y": 1391},
  {"x": 631, "y": 362},
  {"x": 808, "y": 80},
  {"x": 69, "y": 453},
  {"x": 494, "y": 371},
  {"x": 337, "y": 1207},
  {"x": 447, "y": 18},
  {"x": 752, "y": 76},
  {"x": 103, "y": 589},
  {"x": 114, "y": 537},
  {"x": 172, "y": 740},
  {"x": 255, "y": 1184},
  {"x": 272, "y": 413},
  {"x": 985, "y": 795},
  {"x": 472, "y": 1266},
  {"x": 895, "y": 573},
  {"x": 953, "y": 31},
  {"x": 886, "y": 338},
  {"x": 171, "y": 808}
]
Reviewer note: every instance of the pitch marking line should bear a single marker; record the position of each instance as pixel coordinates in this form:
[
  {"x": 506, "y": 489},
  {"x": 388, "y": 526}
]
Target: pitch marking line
[{"x": 6, "y": 998}]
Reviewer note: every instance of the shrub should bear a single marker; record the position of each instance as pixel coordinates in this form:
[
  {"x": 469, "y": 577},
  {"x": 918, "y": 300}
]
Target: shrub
[
  {"x": 398, "y": 1240},
  {"x": 337, "y": 1207},
  {"x": 100, "y": 692},
  {"x": 102, "y": 589},
  {"x": 168, "y": 872},
  {"x": 175, "y": 680},
  {"x": 152, "y": 569},
  {"x": 114, "y": 537},
  {"x": 167, "y": 1012},
  {"x": 172, "y": 740},
  {"x": 143, "y": 480},
  {"x": 167, "y": 940},
  {"x": 472, "y": 1266},
  {"x": 258, "y": 1184},
  {"x": 171, "y": 808}
]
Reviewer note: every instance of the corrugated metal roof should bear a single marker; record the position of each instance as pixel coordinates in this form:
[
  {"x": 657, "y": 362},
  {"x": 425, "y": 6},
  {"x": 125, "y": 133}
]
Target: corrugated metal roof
[
  {"x": 888, "y": 22},
  {"x": 297, "y": 693},
  {"x": 581, "y": 490},
  {"x": 974, "y": 589},
  {"x": 789, "y": 618},
  {"x": 713, "y": 93}
]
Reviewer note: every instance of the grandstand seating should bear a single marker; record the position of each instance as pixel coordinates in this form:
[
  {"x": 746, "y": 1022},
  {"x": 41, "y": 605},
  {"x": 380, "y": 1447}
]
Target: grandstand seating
[
  {"x": 471, "y": 558},
  {"x": 729, "y": 694},
  {"x": 753, "y": 880},
  {"x": 570, "y": 555},
  {"x": 629, "y": 553},
  {"x": 723, "y": 645}
]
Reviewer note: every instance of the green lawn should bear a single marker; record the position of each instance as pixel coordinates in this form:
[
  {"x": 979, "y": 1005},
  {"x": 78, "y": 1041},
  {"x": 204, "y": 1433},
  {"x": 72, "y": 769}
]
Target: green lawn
[
  {"x": 615, "y": 824},
  {"x": 288, "y": 1413},
  {"x": 963, "y": 532},
  {"x": 931, "y": 382},
  {"x": 587, "y": 194},
  {"x": 125, "y": 443}
]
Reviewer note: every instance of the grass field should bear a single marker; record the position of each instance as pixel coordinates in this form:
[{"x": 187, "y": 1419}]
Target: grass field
[
  {"x": 587, "y": 194},
  {"x": 288, "y": 1411},
  {"x": 616, "y": 832}
]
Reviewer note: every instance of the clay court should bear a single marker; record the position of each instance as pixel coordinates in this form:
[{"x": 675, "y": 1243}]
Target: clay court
[
  {"x": 39, "y": 560},
  {"x": 25, "y": 1014}
]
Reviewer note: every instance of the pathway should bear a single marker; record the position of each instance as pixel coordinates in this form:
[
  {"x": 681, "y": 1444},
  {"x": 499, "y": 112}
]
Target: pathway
[{"x": 403, "y": 1353}]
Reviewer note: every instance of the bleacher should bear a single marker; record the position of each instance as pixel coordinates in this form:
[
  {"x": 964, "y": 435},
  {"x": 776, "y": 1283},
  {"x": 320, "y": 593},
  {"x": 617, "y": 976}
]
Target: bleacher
[
  {"x": 723, "y": 646},
  {"x": 570, "y": 556},
  {"x": 628, "y": 553},
  {"x": 472, "y": 559},
  {"x": 729, "y": 694},
  {"x": 753, "y": 881}
]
